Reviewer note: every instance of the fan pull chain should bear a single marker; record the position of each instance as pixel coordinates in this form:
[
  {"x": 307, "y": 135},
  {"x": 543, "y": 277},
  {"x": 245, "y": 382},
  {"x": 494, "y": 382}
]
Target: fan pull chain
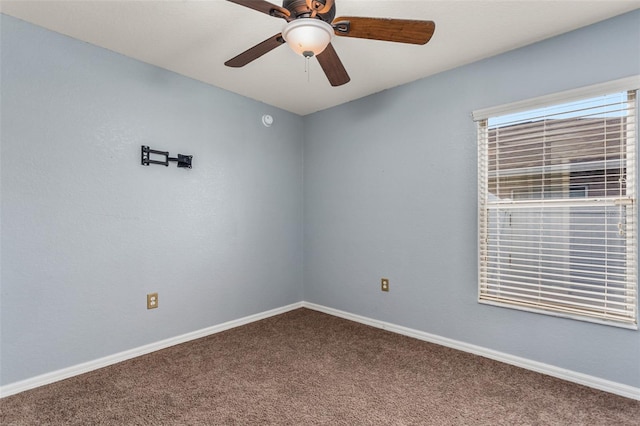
[
  {"x": 307, "y": 68},
  {"x": 307, "y": 55}
]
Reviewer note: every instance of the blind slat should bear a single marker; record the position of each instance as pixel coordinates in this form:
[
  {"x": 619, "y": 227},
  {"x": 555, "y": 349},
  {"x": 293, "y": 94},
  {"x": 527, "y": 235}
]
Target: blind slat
[
  {"x": 566, "y": 298},
  {"x": 540, "y": 281},
  {"x": 584, "y": 274}
]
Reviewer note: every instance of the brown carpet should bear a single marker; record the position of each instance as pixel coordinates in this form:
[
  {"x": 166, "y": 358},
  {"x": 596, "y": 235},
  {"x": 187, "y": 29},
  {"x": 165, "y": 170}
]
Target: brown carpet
[{"x": 304, "y": 368}]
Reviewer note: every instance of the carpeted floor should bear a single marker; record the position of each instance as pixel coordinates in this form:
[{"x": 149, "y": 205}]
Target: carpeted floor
[{"x": 306, "y": 368}]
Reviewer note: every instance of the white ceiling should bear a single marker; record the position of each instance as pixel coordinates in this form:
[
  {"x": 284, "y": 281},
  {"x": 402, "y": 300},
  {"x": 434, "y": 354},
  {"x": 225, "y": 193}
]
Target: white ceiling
[{"x": 195, "y": 38}]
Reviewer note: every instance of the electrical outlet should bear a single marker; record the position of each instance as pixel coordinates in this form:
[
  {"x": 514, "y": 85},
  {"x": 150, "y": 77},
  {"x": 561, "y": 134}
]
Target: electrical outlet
[
  {"x": 384, "y": 284},
  {"x": 152, "y": 300}
]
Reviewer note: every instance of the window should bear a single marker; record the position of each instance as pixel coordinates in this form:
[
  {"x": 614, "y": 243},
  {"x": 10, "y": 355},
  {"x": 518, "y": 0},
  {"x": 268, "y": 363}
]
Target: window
[{"x": 557, "y": 205}]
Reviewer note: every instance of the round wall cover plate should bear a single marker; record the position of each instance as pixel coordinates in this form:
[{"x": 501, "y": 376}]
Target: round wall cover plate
[{"x": 267, "y": 120}]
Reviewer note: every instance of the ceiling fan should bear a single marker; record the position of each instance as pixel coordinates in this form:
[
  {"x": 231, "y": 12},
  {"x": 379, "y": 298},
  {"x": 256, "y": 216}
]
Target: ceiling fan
[{"x": 311, "y": 24}]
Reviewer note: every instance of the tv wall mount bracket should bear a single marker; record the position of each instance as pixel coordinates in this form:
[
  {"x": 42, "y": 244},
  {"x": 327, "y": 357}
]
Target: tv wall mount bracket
[{"x": 184, "y": 161}]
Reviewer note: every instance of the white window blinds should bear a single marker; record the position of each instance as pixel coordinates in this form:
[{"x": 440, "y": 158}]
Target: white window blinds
[{"x": 557, "y": 209}]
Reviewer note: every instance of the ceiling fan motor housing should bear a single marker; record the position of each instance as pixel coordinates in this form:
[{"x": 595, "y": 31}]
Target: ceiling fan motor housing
[{"x": 299, "y": 9}]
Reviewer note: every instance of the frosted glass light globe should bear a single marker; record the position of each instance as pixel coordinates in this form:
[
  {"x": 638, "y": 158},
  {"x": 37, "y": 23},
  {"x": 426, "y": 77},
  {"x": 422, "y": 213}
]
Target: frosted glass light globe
[{"x": 307, "y": 36}]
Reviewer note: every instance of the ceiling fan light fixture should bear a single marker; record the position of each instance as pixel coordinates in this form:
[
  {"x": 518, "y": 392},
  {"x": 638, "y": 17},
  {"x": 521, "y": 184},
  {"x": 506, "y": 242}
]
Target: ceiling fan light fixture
[{"x": 307, "y": 36}]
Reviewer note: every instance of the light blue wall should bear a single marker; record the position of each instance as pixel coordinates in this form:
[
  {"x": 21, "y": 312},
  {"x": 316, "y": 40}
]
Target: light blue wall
[
  {"x": 87, "y": 231},
  {"x": 391, "y": 191}
]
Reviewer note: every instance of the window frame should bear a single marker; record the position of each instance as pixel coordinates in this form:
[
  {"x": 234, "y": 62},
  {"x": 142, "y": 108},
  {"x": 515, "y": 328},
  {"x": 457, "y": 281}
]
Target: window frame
[{"x": 481, "y": 117}]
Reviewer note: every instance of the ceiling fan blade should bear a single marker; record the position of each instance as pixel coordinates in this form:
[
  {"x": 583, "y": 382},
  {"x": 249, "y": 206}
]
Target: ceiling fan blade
[
  {"x": 264, "y": 7},
  {"x": 332, "y": 66},
  {"x": 256, "y": 51},
  {"x": 396, "y": 30}
]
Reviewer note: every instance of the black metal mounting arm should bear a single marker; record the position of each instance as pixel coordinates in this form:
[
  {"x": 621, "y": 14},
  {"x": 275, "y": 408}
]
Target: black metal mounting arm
[{"x": 184, "y": 161}]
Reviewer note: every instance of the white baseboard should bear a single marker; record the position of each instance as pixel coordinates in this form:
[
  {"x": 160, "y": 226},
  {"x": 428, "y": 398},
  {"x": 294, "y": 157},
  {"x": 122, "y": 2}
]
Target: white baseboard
[
  {"x": 569, "y": 375},
  {"x": 65, "y": 373},
  {"x": 550, "y": 370}
]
